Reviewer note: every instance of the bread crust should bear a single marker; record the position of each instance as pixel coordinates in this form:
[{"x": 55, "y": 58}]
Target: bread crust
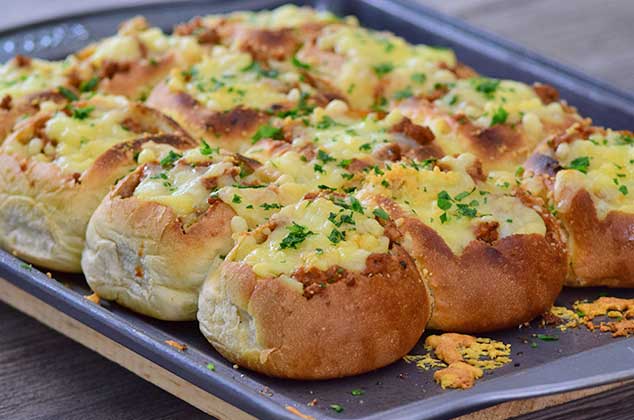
[
  {"x": 601, "y": 250},
  {"x": 139, "y": 254},
  {"x": 490, "y": 285},
  {"x": 347, "y": 329},
  {"x": 44, "y": 211},
  {"x": 231, "y": 130}
]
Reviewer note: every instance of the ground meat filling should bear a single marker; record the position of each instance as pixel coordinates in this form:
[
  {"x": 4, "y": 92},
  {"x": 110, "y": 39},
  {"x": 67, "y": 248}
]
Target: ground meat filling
[
  {"x": 487, "y": 232},
  {"x": 546, "y": 93},
  {"x": 316, "y": 281}
]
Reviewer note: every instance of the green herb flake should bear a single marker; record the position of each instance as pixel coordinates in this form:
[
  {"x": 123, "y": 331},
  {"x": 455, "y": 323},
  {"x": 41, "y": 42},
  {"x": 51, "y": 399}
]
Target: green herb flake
[
  {"x": 357, "y": 392},
  {"x": 211, "y": 367},
  {"x": 26, "y": 266},
  {"x": 381, "y": 214},
  {"x": 336, "y": 236},
  {"x": 236, "y": 199},
  {"x": 89, "y": 85},
  {"x": 296, "y": 235},
  {"x": 580, "y": 164},
  {"x": 67, "y": 93},
  {"x": 82, "y": 113},
  {"x": 299, "y": 64},
  {"x": 485, "y": 86},
  {"x": 324, "y": 157},
  {"x": 267, "y": 131},
  {"x": 444, "y": 200},
  {"x": 419, "y": 77},
  {"x": 169, "y": 160},
  {"x": 499, "y": 117},
  {"x": 404, "y": 93},
  {"x": 623, "y": 190},
  {"x": 337, "y": 408},
  {"x": 382, "y": 69},
  {"x": 546, "y": 337},
  {"x": 206, "y": 149}
]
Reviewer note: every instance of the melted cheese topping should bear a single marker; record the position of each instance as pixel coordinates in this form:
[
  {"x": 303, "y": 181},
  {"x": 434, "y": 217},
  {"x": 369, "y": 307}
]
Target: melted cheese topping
[
  {"x": 149, "y": 43},
  {"x": 184, "y": 186},
  {"x": 227, "y": 79},
  {"x": 38, "y": 76},
  {"x": 480, "y": 99},
  {"x": 282, "y": 17},
  {"x": 271, "y": 258},
  {"x": 336, "y": 141},
  {"x": 365, "y": 56},
  {"x": 419, "y": 191},
  {"x": 609, "y": 176},
  {"x": 72, "y": 143}
]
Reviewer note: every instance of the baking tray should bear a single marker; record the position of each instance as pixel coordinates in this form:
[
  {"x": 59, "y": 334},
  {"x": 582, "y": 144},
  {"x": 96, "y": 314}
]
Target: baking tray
[{"x": 577, "y": 360}]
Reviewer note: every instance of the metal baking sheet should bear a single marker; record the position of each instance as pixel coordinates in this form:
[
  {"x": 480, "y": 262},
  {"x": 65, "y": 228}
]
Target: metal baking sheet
[{"x": 578, "y": 359}]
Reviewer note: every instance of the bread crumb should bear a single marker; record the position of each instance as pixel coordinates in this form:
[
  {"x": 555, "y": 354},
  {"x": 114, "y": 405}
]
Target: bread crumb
[
  {"x": 178, "y": 346},
  {"x": 94, "y": 298},
  {"x": 462, "y": 357}
]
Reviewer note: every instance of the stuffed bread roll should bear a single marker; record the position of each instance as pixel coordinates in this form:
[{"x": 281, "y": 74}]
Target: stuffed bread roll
[
  {"x": 499, "y": 121},
  {"x": 131, "y": 62},
  {"x": 318, "y": 292},
  {"x": 57, "y": 166},
  {"x": 491, "y": 258},
  {"x": 333, "y": 150},
  {"x": 153, "y": 239},
  {"x": 587, "y": 176}
]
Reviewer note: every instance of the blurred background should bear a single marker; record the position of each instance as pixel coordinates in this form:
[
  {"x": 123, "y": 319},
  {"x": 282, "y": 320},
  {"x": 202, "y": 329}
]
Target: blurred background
[{"x": 594, "y": 36}]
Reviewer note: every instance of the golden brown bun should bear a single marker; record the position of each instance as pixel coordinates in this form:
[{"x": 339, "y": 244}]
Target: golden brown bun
[
  {"x": 230, "y": 130},
  {"x": 139, "y": 254},
  {"x": 350, "y": 327},
  {"x": 11, "y": 110},
  {"x": 600, "y": 250},
  {"x": 490, "y": 285},
  {"x": 44, "y": 211}
]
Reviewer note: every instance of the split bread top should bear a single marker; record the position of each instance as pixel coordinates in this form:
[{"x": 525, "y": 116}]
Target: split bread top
[{"x": 303, "y": 170}]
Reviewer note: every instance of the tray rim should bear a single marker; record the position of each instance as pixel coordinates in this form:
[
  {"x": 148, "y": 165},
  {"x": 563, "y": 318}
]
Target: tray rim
[{"x": 39, "y": 285}]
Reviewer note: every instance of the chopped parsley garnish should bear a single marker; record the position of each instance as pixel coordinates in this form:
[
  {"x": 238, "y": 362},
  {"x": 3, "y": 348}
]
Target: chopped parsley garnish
[
  {"x": 270, "y": 206},
  {"x": 170, "y": 159},
  {"x": 296, "y": 235},
  {"x": 255, "y": 66},
  {"x": 623, "y": 189},
  {"x": 337, "y": 408},
  {"x": 580, "y": 164},
  {"x": 383, "y": 69},
  {"x": 485, "y": 86},
  {"x": 519, "y": 171},
  {"x": 236, "y": 199},
  {"x": 89, "y": 85},
  {"x": 267, "y": 131},
  {"x": 499, "y": 117},
  {"x": 380, "y": 213},
  {"x": 26, "y": 266},
  {"x": 365, "y": 147},
  {"x": 546, "y": 337},
  {"x": 67, "y": 93},
  {"x": 211, "y": 367},
  {"x": 300, "y": 110},
  {"x": 355, "y": 205},
  {"x": 82, "y": 113},
  {"x": 318, "y": 168},
  {"x": 326, "y": 122},
  {"x": 206, "y": 149},
  {"x": 357, "y": 392},
  {"x": 325, "y": 187},
  {"x": 444, "y": 200},
  {"x": 419, "y": 77},
  {"x": 404, "y": 93},
  {"x": 344, "y": 163},
  {"x": 299, "y": 64},
  {"x": 324, "y": 157},
  {"x": 336, "y": 236}
]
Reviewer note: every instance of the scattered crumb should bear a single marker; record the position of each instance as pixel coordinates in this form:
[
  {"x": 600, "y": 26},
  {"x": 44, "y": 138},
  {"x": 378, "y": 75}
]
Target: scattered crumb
[
  {"x": 49, "y": 275},
  {"x": 94, "y": 298},
  {"x": 568, "y": 318},
  {"x": 312, "y": 402},
  {"x": 299, "y": 413},
  {"x": 458, "y": 375},
  {"x": 621, "y": 328},
  {"x": 178, "y": 346},
  {"x": 235, "y": 366},
  {"x": 462, "y": 357},
  {"x": 266, "y": 391},
  {"x": 613, "y": 307}
]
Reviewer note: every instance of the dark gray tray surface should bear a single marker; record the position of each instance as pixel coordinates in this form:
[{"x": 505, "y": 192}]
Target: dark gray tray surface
[{"x": 578, "y": 359}]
